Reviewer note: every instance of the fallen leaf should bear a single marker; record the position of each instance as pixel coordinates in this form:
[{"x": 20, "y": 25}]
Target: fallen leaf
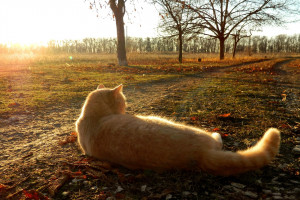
[
  {"x": 69, "y": 139},
  {"x": 83, "y": 161},
  {"x": 129, "y": 77},
  {"x": 74, "y": 133},
  {"x": 225, "y": 115},
  {"x": 3, "y": 187},
  {"x": 78, "y": 173},
  {"x": 13, "y": 105},
  {"x": 31, "y": 195},
  {"x": 216, "y": 129},
  {"x": 273, "y": 102},
  {"x": 34, "y": 195},
  {"x": 225, "y": 135},
  {"x": 194, "y": 118}
]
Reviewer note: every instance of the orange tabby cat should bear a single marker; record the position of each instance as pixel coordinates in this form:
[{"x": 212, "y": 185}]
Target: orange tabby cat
[{"x": 148, "y": 142}]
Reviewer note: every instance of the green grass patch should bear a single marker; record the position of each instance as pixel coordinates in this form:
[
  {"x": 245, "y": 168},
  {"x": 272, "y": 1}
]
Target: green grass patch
[
  {"x": 30, "y": 82},
  {"x": 50, "y": 81}
]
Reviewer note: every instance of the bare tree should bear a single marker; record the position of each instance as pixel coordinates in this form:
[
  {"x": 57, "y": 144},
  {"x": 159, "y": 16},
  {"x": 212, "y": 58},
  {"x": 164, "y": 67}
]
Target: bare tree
[
  {"x": 118, "y": 9},
  {"x": 237, "y": 36},
  {"x": 221, "y": 17},
  {"x": 175, "y": 21}
]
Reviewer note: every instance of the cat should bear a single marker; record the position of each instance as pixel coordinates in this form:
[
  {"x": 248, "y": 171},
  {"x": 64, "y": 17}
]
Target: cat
[{"x": 150, "y": 142}]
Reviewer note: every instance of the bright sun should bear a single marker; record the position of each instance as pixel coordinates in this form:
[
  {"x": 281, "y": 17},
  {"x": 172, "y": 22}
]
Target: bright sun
[
  {"x": 36, "y": 22},
  {"x": 22, "y": 24}
]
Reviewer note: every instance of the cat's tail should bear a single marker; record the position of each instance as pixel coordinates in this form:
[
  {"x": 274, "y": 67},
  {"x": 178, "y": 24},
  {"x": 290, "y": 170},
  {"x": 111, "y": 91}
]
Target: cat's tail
[{"x": 228, "y": 163}]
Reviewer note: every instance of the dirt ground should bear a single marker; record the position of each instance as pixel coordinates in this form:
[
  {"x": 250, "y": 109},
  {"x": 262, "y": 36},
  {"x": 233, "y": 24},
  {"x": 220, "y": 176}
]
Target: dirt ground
[{"x": 40, "y": 160}]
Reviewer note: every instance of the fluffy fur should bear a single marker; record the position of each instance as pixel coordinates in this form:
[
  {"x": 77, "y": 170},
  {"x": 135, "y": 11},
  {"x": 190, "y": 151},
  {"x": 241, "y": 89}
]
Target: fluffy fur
[{"x": 148, "y": 142}]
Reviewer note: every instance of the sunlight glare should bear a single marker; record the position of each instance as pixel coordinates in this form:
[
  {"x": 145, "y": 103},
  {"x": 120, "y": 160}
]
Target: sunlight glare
[{"x": 37, "y": 22}]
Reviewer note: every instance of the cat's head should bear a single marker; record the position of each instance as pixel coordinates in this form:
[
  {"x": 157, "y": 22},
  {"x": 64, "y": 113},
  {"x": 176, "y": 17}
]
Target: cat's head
[{"x": 104, "y": 101}]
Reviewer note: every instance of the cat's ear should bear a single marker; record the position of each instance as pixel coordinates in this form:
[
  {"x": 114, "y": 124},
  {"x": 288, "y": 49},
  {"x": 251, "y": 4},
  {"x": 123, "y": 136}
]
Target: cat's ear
[
  {"x": 100, "y": 86},
  {"x": 118, "y": 89}
]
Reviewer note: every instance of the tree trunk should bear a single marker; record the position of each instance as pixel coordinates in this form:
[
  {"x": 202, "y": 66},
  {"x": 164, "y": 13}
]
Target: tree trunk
[
  {"x": 234, "y": 50},
  {"x": 249, "y": 46},
  {"x": 119, "y": 11},
  {"x": 222, "y": 48},
  {"x": 234, "y": 46},
  {"x": 121, "y": 49},
  {"x": 180, "y": 47}
]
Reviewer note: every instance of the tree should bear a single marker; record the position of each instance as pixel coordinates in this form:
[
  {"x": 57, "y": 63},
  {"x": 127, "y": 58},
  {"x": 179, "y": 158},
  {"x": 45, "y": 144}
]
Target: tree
[
  {"x": 263, "y": 44},
  {"x": 280, "y": 42},
  {"x": 237, "y": 36},
  {"x": 175, "y": 21},
  {"x": 148, "y": 45},
  {"x": 118, "y": 9},
  {"x": 221, "y": 17}
]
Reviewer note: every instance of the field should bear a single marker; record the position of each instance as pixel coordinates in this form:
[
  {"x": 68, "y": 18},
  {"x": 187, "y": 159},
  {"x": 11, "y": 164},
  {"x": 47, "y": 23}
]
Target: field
[{"x": 41, "y": 97}]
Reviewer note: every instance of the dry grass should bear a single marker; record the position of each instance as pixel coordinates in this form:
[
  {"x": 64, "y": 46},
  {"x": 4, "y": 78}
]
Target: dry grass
[{"x": 32, "y": 81}]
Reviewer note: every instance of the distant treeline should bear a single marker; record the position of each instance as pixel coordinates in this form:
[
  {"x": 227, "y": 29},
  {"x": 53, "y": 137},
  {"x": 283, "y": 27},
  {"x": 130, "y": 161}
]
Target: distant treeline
[{"x": 253, "y": 44}]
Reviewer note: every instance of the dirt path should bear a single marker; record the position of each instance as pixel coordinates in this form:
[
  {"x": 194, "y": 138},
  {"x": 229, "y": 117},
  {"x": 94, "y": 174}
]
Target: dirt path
[
  {"x": 145, "y": 98},
  {"x": 29, "y": 144}
]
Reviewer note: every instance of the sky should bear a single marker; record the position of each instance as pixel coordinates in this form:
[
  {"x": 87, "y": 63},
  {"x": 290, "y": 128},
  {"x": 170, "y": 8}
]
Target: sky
[
  {"x": 35, "y": 21},
  {"x": 38, "y": 21}
]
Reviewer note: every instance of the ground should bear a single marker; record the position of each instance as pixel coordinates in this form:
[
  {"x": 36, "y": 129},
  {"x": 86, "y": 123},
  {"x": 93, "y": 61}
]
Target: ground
[{"x": 40, "y": 158}]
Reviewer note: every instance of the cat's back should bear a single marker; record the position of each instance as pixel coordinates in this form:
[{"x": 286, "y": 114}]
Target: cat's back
[
  {"x": 136, "y": 122},
  {"x": 143, "y": 126}
]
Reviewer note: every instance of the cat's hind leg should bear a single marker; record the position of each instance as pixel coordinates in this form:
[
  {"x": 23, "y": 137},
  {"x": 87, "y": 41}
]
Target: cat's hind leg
[{"x": 218, "y": 138}]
